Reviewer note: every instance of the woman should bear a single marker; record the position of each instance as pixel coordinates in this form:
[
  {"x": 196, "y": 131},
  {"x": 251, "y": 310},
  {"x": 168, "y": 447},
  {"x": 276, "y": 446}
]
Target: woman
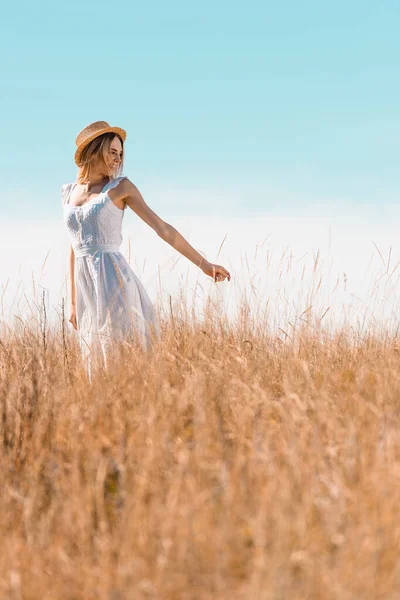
[{"x": 108, "y": 302}]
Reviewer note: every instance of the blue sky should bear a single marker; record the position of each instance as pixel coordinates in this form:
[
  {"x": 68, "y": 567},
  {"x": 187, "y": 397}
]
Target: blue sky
[{"x": 266, "y": 106}]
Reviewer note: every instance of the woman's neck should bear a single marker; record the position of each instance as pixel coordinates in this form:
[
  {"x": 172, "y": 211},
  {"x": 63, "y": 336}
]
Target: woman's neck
[{"x": 95, "y": 180}]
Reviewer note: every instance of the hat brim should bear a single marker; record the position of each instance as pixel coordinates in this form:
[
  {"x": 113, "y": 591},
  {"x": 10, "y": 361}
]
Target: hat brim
[{"x": 87, "y": 141}]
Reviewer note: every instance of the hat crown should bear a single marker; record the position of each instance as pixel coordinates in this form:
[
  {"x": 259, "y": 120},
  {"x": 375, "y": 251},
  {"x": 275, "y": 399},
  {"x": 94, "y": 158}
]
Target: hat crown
[{"x": 90, "y": 130}]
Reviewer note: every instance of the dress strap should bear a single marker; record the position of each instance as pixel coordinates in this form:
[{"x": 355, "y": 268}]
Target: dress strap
[
  {"x": 66, "y": 191},
  {"x": 113, "y": 183}
]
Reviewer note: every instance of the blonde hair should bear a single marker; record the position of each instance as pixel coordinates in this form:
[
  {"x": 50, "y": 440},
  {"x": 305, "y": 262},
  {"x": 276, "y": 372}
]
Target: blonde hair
[{"x": 95, "y": 152}]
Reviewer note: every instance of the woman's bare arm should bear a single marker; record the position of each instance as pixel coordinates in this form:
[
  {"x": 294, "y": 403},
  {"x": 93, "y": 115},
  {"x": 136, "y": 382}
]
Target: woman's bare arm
[{"x": 133, "y": 198}]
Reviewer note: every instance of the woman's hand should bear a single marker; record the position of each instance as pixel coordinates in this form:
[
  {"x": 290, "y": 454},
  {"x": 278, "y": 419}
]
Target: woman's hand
[
  {"x": 72, "y": 318},
  {"x": 217, "y": 272}
]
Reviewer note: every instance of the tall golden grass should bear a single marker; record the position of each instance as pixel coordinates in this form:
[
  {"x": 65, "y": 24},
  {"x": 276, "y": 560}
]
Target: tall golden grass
[{"x": 228, "y": 462}]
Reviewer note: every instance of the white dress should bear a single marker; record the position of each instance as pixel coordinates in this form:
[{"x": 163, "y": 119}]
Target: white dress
[{"x": 111, "y": 303}]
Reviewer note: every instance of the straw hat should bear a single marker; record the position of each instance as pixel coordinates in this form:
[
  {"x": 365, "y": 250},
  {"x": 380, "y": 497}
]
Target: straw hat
[{"x": 92, "y": 131}]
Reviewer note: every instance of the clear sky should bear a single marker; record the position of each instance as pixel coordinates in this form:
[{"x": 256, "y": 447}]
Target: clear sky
[{"x": 231, "y": 107}]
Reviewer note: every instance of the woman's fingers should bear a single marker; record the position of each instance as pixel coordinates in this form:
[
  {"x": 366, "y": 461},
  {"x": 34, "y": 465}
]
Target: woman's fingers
[{"x": 220, "y": 274}]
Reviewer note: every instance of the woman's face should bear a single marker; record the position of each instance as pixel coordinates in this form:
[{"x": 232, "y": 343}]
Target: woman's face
[{"x": 114, "y": 154}]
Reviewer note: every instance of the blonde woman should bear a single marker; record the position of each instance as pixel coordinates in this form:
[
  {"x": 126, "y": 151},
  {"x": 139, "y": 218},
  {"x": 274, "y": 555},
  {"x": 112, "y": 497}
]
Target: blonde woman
[{"x": 108, "y": 302}]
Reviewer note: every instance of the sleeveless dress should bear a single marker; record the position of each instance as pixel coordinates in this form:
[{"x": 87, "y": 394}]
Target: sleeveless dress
[{"x": 111, "y": 303}]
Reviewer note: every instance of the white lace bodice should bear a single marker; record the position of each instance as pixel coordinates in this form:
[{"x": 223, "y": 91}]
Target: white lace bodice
[{"x": 97, "y": 224}]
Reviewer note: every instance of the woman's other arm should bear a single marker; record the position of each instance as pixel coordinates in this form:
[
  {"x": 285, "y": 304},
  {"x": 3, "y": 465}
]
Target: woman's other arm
[{"x": 73, "y": 289}]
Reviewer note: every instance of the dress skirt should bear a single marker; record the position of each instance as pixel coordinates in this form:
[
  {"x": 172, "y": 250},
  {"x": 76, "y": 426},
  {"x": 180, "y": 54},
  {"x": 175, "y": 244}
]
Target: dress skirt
[{"x": 112, "y": 307}]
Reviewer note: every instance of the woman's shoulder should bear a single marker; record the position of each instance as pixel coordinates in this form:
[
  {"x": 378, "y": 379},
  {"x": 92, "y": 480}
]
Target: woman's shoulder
[
  {"x": 125, "y": 181},
  {"x": 118, "y": 181},
  {"x": 122, "y": 178}
]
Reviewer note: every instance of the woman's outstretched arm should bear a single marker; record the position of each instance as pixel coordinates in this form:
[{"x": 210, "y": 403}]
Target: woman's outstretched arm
[{"x": 128, "y": 192}]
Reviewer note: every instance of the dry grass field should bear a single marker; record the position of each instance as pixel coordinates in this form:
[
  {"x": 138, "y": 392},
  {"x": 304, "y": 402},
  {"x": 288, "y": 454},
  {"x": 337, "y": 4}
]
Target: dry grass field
[{"x": 225, "y": 463}]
